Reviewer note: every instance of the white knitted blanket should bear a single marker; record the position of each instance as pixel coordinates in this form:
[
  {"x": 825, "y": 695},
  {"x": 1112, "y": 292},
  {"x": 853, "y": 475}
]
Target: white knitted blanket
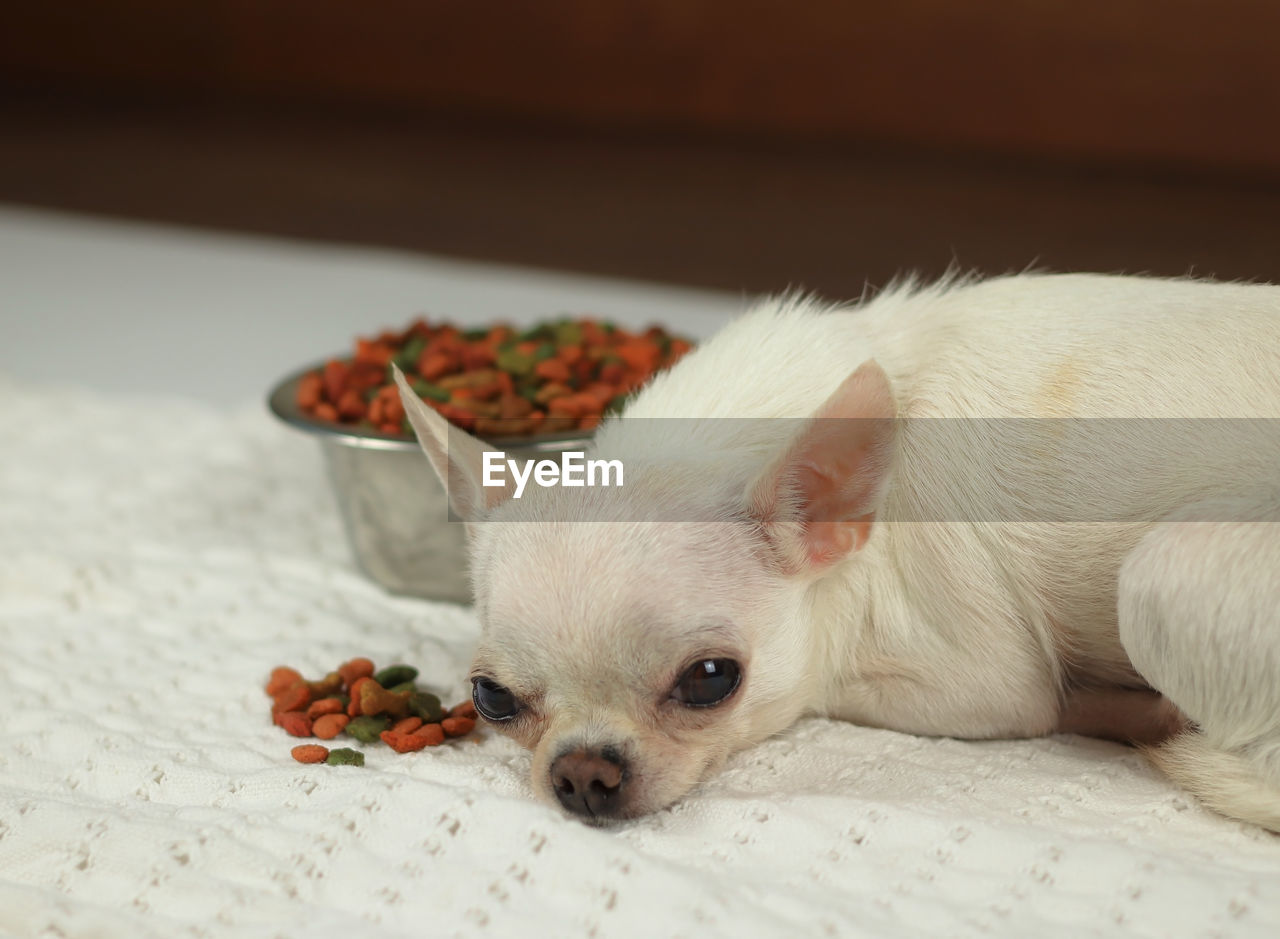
[{"x": 158, "y": 557}]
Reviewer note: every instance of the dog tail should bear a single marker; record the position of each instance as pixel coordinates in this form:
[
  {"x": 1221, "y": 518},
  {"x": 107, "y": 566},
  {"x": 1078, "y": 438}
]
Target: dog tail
[{"x": 1228, "y": 782}]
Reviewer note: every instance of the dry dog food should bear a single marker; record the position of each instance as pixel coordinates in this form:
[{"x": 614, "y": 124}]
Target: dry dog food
[
  {"x": 557, "y": 376},
  {"x": 368, "y": 705}
]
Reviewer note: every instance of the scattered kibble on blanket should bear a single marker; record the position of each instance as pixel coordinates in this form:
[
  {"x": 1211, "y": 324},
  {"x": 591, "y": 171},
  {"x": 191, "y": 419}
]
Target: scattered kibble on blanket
[
  {"x": 368, "y": 705},
  {"x": 345, "y": 756}
]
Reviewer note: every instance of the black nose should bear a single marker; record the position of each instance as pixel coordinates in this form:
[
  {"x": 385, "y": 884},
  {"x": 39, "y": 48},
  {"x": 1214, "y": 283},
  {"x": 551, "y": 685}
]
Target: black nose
[{"x": 589, "y": 782}]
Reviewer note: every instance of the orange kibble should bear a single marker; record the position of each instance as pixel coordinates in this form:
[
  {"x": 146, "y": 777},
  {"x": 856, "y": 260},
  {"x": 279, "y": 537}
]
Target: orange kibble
[
  {"x": 294, "y": 698},
  {"x": 294, "y": 723},
  {"x": 434, "y": 365},
  {"x": 356, "y": 668},
  {"x": 433, "y": 734},
  {"x": 599, "y": 392},
  {"x": 376, "y": 353},
  {"x": 325, "y": 706},
  {"x": 310, "y": 390},
  {"x": 393, "y": 409},
  {"x": 353, "y": 708},
  {"x": 477, "y": 355},
  {"x": 329, "y": 726},
  {"x": 403, "y": 743},
  {"x": 351, "y": 405},
  {"x": 408, "y": 725},
  {"x": 326, "y": 412},
  {"x": 567, "y": 406},
  {"x": 335, "y": 379},
  {"x": 310, "y": 753},
  {"x": 457, "y": 726},
  {"x": 613, "y": 373},
  {"x": 465, "y": 709},
  {"x": 281, "y": 678},
  {"x": 552, "y": 370}
]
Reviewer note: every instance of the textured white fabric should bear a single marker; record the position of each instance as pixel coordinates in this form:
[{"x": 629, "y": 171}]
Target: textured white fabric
[{"x": 158, "y": 557}]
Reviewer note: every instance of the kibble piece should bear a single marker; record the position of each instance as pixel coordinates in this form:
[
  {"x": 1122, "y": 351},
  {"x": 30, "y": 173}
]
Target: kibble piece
[
  {"x": 294, "y": 698},
  {"x": 356, "y": 668},
  {"x": 432, "y": 733},
  {"x": 295, "y": 723},
  {"x": 427, "y": 706},
  {"x": 366, "y": 729},
  {"x": 325, "y": 706},
  {"x": 329, "y": 726},
  {"x": 405, "y": 687},
  {"x": 407, "y": 726},
  {"x": 403, "y": 743},
  {"x": 374, "y": 699},
  {"x": 457, "y": 726},
  {"x": 395, "y": 674},
  {"x": 465, "y": 709},
  {"x": 345, "y": 756},
  {"x": 330, "y": 684},
  {"x": 353, "y": 709},
  {"x": 281, "y": 678},
  {"x": 310, "y": 753}
]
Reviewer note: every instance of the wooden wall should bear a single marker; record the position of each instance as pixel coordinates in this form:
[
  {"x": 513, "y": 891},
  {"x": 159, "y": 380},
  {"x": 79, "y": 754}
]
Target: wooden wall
[{"x": 1179, "y": 82}]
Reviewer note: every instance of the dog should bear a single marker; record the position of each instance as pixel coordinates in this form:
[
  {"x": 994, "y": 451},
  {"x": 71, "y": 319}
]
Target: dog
[{"x": 975, "y": 508}]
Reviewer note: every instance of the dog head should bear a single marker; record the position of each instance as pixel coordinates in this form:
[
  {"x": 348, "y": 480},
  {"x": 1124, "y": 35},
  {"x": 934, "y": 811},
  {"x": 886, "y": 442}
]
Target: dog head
[{"x": 634, "y": 638}]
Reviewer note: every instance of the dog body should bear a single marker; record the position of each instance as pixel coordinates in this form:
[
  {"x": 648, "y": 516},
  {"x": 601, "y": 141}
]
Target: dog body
[{"x": 974, "y": 509}]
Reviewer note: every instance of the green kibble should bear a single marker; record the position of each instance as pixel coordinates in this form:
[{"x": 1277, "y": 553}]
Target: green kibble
[
  {"x": 345, "y": 756},
  {"x": 545, "y": 351},
  {"x": 425, "y": 705},
  {"x": 427, "y": 390},
  {"x": 367, "y": 729},
  {"x": 533, "y": 333},
  {"x": 395, "y": 675},
  {"x": 569, "y": 334},
  {"x": 407, "y": 357},
  {"x": 517, "y": 363},
  {"x": 404, "y": 686}
]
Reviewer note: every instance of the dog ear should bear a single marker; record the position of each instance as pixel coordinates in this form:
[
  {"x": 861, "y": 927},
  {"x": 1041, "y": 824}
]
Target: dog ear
[
  {"x": 818, "y": 501},
  {"x": 456, "y": 456}
]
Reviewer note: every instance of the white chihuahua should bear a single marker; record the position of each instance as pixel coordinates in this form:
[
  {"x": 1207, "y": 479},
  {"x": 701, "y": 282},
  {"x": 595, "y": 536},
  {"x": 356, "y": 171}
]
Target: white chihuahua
[{"x": 977, "y": 509}]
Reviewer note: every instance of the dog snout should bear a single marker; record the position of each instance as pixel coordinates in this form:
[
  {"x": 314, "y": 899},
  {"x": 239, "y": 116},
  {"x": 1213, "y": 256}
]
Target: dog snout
[{"x": 590, "y": 782}]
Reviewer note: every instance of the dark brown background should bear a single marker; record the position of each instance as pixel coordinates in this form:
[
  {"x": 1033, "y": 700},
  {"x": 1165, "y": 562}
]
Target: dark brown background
[{"x": 740, "y": 145}]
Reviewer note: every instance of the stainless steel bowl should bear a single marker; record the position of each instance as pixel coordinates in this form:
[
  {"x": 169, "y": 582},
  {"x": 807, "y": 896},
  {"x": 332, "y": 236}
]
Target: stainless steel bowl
[{"x": 393, "y": 504}]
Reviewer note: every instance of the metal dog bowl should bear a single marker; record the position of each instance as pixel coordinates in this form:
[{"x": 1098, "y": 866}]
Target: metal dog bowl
[{"x": 393, "y": 505}]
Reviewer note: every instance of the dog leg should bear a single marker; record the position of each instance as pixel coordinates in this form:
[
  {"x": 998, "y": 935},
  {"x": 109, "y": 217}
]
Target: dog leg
[{"x": 1199, "y": 608}]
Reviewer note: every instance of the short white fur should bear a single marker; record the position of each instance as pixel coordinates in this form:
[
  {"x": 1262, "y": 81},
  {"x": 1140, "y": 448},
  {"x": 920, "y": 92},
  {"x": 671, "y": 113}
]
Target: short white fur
[{"x": 977, "y": 628}]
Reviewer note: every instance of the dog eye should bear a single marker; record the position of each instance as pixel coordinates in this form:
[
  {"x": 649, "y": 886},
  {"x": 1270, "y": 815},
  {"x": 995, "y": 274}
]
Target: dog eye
[
  {"x": 494, "y": 702},
  {"x": 708, "y": 682}
]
